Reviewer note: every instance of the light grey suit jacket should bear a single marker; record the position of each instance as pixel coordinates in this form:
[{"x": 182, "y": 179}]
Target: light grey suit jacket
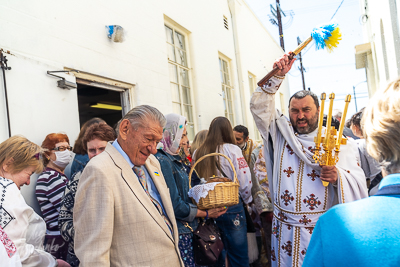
[{"x": 116, "y": 224}]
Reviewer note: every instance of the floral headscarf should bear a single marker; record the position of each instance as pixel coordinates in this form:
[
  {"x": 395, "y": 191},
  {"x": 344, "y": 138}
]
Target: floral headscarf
[{"x": 172, "y": 133}]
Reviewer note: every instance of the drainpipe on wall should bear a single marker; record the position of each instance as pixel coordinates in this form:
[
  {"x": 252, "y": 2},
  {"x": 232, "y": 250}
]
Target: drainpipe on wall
[
  {"x": 4, "y": 67},
  {"x": 231, "y": 4}
]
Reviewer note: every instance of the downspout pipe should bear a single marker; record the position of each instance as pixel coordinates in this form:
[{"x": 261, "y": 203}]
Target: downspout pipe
[
  {"x": 231, "y": 4},
  {"x": 4, "y": 67}
]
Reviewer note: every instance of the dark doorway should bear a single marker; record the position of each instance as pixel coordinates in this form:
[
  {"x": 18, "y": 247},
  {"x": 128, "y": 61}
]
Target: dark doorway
[{"x": 98, "y": 102}]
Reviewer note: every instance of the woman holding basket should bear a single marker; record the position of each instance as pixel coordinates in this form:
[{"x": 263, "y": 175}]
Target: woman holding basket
[
  {"x": 220, "y": 139},
  {"x": 177, "y": 180}
]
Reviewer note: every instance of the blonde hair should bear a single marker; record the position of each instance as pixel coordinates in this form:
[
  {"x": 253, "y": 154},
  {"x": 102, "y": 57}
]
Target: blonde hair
[
  {"x": 198, "y": 141},
  {"x": 23, "y": 153},
  {"x": 381, "y": 125}
]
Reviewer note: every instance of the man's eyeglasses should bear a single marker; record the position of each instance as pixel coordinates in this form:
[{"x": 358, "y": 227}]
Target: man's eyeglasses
[{"x": 62, "y": 148}]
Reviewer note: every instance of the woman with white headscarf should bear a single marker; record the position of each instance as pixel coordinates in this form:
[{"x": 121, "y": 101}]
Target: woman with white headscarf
[{"x": 174, "y": 136}]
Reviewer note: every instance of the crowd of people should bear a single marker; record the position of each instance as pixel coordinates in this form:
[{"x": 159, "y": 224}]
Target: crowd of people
[{"x": 125, "y": 202}]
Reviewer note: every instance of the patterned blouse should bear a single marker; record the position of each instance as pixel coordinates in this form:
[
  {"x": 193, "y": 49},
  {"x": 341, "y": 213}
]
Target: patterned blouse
[
  {"x": 234, "y": 153},
  {"x": 65, "y": 220}
]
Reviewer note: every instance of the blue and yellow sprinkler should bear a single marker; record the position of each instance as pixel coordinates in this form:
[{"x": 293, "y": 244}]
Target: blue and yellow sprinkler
[{"x": 325, "y": 36}]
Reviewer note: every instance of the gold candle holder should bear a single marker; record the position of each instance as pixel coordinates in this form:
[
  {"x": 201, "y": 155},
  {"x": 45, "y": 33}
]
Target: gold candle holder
[{"x": 329, "y": 154}]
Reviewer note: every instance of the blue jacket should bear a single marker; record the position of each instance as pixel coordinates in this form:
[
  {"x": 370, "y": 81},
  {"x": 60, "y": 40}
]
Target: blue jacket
[
  {"x": 361, "y": 233},
  {"x": 78, "y": 164},
  {"x": 178, "y": 183}
]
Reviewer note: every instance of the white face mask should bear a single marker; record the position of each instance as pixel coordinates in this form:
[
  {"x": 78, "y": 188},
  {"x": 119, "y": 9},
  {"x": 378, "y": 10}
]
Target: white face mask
[{"x": 62, "y": 158}]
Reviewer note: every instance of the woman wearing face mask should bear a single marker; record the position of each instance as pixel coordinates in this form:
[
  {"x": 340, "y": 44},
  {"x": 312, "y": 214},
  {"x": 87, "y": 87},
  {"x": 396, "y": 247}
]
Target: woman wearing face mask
[
  {"x": 50, "y": 190},
  {"x": 177, "y": 180}
]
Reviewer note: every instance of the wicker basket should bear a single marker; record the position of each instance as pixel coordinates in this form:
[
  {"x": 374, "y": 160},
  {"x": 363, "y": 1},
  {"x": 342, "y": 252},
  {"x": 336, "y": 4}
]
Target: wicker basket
[{"x": 224, "y": 194}]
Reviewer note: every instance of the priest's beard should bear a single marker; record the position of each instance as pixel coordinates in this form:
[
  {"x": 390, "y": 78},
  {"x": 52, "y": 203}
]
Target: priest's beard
[{"x": 312, "y": 124}]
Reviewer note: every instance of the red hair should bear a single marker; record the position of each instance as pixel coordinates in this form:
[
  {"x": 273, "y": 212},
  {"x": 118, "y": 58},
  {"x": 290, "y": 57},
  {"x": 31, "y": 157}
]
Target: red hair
[{"x": 51, "y": 140}]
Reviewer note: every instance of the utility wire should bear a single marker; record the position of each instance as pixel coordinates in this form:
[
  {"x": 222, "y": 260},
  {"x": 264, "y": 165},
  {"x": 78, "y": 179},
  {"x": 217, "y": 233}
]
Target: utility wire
[{"x": 337, "y": 9}]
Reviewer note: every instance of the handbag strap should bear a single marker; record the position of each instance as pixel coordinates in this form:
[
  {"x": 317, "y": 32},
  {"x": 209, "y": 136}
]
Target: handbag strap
[{"x": 220, "y": 170}]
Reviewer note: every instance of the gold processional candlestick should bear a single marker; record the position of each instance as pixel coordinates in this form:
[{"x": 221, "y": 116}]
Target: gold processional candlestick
[{"x": 332, "y": 140}]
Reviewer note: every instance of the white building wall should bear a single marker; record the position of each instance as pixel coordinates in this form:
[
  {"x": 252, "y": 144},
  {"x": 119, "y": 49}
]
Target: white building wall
[
  {"x": 52, "y": 35},
  {"x": 373, "y": 14}
]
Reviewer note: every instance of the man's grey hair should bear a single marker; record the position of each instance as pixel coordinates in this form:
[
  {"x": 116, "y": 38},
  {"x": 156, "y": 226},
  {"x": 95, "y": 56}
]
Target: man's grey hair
[
  {"x": 337, "y": 114},
  {"x": 139, "y": 117}
]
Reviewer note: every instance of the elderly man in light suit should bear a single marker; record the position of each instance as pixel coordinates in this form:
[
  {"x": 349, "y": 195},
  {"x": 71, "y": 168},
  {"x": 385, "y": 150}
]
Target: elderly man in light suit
[{"x": 123, "y": 215}]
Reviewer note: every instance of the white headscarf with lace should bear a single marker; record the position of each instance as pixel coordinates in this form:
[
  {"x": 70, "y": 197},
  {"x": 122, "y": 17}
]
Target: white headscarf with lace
[{"x": 172, "y": 133}]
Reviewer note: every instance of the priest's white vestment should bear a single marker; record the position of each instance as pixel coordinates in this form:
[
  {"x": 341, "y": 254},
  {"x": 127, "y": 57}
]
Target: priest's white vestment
[{"x": 297, "y": 192}]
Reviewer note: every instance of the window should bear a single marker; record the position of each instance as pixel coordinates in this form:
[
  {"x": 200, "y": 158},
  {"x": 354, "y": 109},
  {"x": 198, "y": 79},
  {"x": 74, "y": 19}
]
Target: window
[
  {"x": 226, "y": 90},
  {"x": 179, "y": 77},
  {"x": 252, "y": 86}
]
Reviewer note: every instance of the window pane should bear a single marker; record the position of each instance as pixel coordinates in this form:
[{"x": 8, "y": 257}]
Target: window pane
[
  {"x": 184, "y": 77},
  {"x": 176, "y": 108},
  {"x": 180, "y": 41},
  {"x": 181, "y": 58},
  {"x": 230, "y": 107},
  {"x": 186, "y": 95},
  {"x": 188, "y": 112},
  {"x": 171, "y": 52},
  {"x": 225, "y": 107},
  {"x": 229, "y": 94},
  {"x": 226, "y": 79},
  {"x": 222, "y": 76},
  {"x": 220, "y": 64},
  {"x": 190, "y": 131},
  {"x": 175, "y": 93},
  {"x": 173, "y": 75},
  {"x": 224, "y": 66},
  {"x": 170, "y": 35}
]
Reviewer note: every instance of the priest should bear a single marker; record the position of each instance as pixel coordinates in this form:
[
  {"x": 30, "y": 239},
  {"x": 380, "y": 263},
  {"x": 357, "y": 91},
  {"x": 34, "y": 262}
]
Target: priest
[{"x": 295, "y": 180}]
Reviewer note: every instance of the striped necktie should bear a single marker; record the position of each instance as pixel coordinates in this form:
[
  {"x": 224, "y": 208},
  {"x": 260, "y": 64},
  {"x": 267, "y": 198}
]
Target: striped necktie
[{"x": 142, "y": 178}]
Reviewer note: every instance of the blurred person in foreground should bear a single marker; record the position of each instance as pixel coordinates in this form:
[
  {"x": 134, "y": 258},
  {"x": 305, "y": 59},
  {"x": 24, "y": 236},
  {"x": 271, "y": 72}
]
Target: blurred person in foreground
[
  {"x": 295, "y": 180},
  {"x": 370, "y": 166},
  {"x": 366, "y": 232},
  {"x": 95, "y": 140},
  {"x": 50, "y": 188},
  {"x": 19, "y": 159},
  {"x": 123, "y": 215}
]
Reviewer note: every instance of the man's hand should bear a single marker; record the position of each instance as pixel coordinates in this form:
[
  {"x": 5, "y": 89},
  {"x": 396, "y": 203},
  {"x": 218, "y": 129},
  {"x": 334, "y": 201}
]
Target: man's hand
[
  {"x": 329, "y": 174},
  {"x": 284, "y": 64}
]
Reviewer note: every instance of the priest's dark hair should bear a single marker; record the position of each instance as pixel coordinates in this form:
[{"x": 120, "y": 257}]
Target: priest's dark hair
[
  {"x": 242, "y": 129},
  {"x": 302, "y": 94}
]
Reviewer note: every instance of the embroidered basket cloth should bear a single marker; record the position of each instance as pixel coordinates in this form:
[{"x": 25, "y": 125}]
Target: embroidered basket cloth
[{"x": 223, "y": 194}]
